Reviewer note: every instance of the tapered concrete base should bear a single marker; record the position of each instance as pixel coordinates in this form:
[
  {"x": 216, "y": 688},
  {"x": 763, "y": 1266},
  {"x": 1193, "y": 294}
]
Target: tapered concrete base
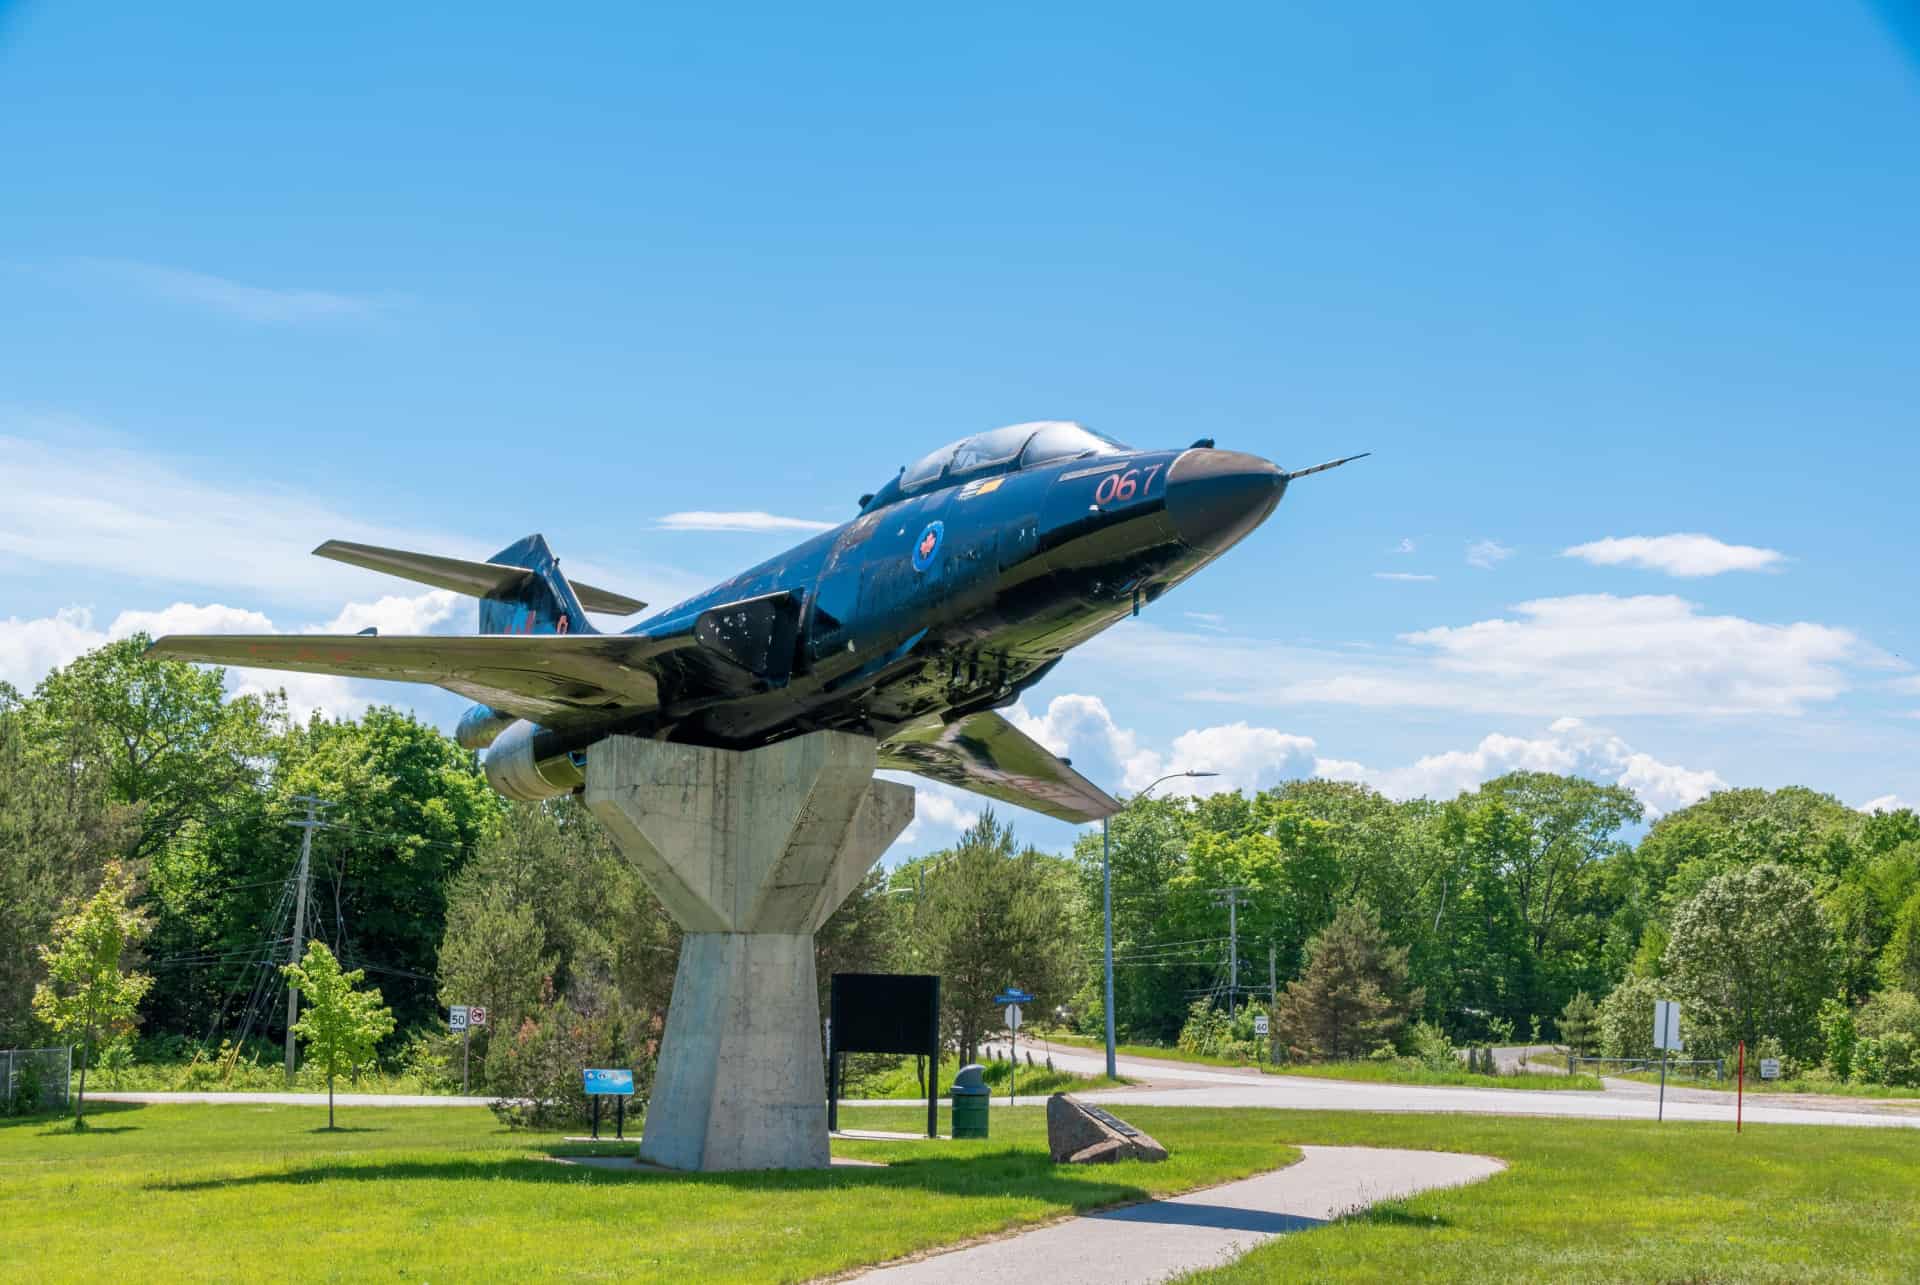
[
  {"x": 750, "y": 852},
  {"x": 738, "y": 1085}
]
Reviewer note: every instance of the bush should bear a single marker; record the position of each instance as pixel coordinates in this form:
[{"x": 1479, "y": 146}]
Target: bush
[
  {"x": 1625, "y": 1019},
  {"x": 536, "y": 1068},
  {"x": 1431, "y": 1047},
  {"x": 1839, "y": 1035},
  {"x": 1888, "y": 1049},
  {"x": 1211, "y": 1033}
]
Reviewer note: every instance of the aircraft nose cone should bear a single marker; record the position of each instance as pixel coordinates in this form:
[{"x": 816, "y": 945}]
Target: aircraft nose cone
[{"x": 1215, "y": 497}]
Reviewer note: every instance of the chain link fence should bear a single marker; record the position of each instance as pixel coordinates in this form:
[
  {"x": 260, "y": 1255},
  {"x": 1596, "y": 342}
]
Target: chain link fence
[{"x": 35, "y": 1079}]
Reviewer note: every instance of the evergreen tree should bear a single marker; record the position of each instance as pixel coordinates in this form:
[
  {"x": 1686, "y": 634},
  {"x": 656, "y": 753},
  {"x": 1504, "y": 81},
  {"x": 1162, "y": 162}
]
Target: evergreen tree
[
  {"x": 1579, "y": 1023},
  {"x": 86, "y": 993},
  {"x": 1354, "y": 995}
]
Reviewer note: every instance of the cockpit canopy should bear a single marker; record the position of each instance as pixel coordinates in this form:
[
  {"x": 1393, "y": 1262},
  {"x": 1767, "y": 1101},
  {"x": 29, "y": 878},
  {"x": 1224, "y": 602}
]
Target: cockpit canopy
[{"x": 998, "y": 450}]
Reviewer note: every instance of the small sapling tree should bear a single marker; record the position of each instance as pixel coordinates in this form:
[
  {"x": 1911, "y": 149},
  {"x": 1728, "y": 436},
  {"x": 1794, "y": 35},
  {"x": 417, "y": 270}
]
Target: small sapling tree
[
  {"x": 340, "y": 1023},
  {"x": 86, "y": 993}
]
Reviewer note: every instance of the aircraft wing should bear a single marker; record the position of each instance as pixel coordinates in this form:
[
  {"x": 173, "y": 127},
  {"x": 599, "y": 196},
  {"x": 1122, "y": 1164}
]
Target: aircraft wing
[
  {"x": 555, "y": 680},
  {"x": 988, "y": 755}
]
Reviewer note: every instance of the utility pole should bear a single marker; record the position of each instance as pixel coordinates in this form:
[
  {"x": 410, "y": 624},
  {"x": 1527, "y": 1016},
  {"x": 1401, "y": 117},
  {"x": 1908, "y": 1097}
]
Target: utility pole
[
  {"x": 1232, "y": 896},
  {"x": 298, "y": 944},
  {"x": 1273, "y": 998}
]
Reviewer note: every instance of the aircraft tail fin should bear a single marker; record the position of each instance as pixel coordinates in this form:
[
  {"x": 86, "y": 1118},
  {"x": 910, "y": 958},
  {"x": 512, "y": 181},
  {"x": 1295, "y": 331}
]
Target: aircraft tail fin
[
  {"x": 520, "y": 588},
  {"x": 540, "y": 603}
]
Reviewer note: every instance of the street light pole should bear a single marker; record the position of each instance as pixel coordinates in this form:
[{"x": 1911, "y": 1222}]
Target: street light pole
[{"x": 1106, "y": 881}]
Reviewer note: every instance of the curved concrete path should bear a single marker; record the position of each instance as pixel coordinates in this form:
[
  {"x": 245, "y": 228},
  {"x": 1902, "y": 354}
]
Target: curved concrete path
[{"x": 1158, "y": 1239}]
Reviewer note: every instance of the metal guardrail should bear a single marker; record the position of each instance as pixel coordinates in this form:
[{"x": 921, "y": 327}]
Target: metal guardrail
[{"x": 1719, "y": 1064}]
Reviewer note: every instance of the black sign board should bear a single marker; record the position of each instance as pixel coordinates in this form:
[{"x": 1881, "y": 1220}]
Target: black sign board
[
  {"x": 884, "y": 1013},
  {"x": 1112, "y": 1121}
]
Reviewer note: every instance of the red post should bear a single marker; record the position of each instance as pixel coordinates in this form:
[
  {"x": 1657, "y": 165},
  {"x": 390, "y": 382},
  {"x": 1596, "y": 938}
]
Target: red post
[{"x": 1740, "y": 1098}]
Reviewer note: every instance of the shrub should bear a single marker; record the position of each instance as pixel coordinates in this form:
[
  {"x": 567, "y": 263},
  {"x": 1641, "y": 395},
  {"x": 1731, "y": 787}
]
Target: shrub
[
  {"x": 1625, "y": 1019},
  {"x": 1431, "y": 1047},
  {"x": 1838, "y": 1035}
]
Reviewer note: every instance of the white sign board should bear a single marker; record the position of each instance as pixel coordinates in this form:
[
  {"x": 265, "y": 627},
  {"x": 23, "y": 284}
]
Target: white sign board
[
  {"x": 1013, "y": 1017},
  {"x": 476, "y": 1016},
  {"x": 457, "y": 1018},
  {"x": 1260, "y": 1024},
  {"x": 1666, "y": 1025},
  {"x": 1769, "y": 1068}
]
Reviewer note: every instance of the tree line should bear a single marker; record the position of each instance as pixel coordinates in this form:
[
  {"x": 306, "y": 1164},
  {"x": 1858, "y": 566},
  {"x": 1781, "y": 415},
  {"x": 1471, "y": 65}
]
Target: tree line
[{"x": 1537, "y": 905}]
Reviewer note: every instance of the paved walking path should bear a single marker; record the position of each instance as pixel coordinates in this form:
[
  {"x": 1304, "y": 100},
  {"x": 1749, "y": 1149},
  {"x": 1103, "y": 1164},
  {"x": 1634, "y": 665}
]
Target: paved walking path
[
  {"x": 1159, "y": 1239},
  {"x": 294, "y": 1099}
]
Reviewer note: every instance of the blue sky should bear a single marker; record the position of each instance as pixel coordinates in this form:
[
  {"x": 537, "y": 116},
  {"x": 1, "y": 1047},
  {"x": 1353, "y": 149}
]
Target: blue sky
[{"x": 1576, "y": 274}]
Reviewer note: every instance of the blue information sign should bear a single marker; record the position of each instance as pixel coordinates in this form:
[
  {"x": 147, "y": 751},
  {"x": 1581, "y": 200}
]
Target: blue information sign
[
  {"x": 609, "y": 1081},
  {"x": 1013, "y": 995}
]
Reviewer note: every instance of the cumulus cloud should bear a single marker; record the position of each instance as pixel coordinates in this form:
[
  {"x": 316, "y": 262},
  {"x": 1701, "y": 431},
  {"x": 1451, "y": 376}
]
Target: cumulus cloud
[
  {"x": 1589, "y": 655},
  {"x": 939, "y": 811},
  {"x": 30, "y": 649},
  {"x": 1885, "y": 803},
  {"x": 1406, "y": 545},
  {"x": 1400, "y": 575},
  {"x": 1487, "y": 554},
  {"x": 264, "y": 304},
  {"x": 1249, "y": 758},
  {"x": 751, "y": 520},
  {"x": 1687, "y": 555}
]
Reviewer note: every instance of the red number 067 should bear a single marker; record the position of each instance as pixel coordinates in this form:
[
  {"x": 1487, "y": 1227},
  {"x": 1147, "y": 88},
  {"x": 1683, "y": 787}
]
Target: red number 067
[{"x": 1118, "y": 488}]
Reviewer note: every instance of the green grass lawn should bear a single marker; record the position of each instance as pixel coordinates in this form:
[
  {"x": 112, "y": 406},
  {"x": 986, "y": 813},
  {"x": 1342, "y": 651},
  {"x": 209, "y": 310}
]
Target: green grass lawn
[
  {"x": 1592, "y": 1200},
  {"x": 1832, "y": 1088},
  {"x": 165, "y": 1193},
  {"x": 1399, "y": 1072}
]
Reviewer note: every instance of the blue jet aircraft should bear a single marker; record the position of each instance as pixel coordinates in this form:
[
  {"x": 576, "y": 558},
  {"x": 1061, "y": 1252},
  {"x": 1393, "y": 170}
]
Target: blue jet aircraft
[{"x": 962, "y": 582}]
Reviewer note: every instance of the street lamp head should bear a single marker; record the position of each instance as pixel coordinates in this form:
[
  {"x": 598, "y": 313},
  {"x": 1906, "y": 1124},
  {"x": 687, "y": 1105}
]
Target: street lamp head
[{"x": 1192, "y": 772}]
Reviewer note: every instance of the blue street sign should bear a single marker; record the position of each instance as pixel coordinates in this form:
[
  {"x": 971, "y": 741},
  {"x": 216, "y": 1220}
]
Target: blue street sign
[
  {"x": 609, "y": 1081},
  {"x": 1013, "y": 995}
]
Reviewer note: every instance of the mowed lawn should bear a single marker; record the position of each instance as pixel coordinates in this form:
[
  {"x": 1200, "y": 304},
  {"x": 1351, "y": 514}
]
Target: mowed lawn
[
  {"x": 244, "y": 1192},
  {"x": 1603, "y": 1200},
  {"x": 163, "y": 1193}
]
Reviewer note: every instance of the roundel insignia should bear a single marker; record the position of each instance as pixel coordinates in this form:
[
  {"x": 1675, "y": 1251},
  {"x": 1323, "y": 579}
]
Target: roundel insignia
[{"x": 928, "y": 545}]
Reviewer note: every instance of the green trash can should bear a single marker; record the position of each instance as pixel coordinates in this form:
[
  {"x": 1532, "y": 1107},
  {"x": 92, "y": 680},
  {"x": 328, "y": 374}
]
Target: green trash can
[{"x": 970, "y": 1102}]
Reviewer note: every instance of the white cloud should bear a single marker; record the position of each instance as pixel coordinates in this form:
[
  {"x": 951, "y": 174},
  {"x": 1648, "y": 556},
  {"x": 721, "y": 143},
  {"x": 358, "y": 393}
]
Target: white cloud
[
  {"x": 1487, "y": 554},
  {"x": 754, "y": 520},
  {"x": 29, "y": 649},
  {"x": 1588, "y": 655},
  {"x": 71, "y": 502},
  {"x": 265, "y": 304},
  {"x": 937, "y": 809},
  {"x": 1406, "y": 545},
  {"x": 1251, "y": 758},
  {"x": 1400, "y": 575},
  {"x": 1569, "y": 747},
  {"x": 1212, "y": 621},
  {"x": 1909, "y": 684},
  {"x": 398, "y": 614},
  {"x": 1685, "y": 555},
  {"x": 1885, "y": 803}
]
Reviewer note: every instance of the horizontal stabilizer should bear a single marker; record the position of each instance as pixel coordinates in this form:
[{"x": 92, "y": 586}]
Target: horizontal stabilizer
[
  {"x": 557, "y": 681},
  {"x": 986, "y": 754},
  {"x": 476, "y": 579}
]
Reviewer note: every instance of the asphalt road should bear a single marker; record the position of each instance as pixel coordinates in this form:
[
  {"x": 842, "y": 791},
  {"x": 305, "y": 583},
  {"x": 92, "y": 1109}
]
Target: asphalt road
[{"x": 1165, "y": 1083}]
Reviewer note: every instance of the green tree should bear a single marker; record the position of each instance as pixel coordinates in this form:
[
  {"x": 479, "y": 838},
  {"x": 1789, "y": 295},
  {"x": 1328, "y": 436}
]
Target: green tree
[
  {"x": 1579, "y": 1023},
  {"x": 987, "y": 916},
  {"x": 58, "y": 830},
  {"x": 1900, "y": 961},
  {"x": 1353, "y": 996},
  {"x": 339, "y": 1023},
  {"x": 1749, "y": 956},
  {"x": 1625, "y": 1019},
  {"x": 87, "y": 992}
]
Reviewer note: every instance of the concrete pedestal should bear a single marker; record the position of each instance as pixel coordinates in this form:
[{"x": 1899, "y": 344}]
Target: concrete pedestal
[{"x": 750, "y": 852}]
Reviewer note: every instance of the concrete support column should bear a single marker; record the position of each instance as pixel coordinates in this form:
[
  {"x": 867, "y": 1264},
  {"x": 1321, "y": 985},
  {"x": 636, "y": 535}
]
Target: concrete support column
[{"x": 750, "y": 852}]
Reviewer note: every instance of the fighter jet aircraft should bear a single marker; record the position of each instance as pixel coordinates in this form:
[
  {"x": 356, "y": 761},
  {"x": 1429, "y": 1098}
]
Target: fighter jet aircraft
[{"x": 961, "y": 583}]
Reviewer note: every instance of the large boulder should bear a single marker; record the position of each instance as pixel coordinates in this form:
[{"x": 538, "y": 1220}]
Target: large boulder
[{"x": 1078, "y": 1134}]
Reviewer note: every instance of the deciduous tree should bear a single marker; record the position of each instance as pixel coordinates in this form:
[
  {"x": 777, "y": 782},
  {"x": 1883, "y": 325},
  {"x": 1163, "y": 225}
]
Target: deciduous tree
[
  {"x": 87, "y": 991},
  {"x": 1749, "y": 956},
  {"x": 339, "y": 1023}
]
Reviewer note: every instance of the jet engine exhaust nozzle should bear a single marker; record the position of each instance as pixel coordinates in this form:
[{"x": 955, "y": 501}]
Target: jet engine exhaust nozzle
[{"x": 1214, "y": 498}]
